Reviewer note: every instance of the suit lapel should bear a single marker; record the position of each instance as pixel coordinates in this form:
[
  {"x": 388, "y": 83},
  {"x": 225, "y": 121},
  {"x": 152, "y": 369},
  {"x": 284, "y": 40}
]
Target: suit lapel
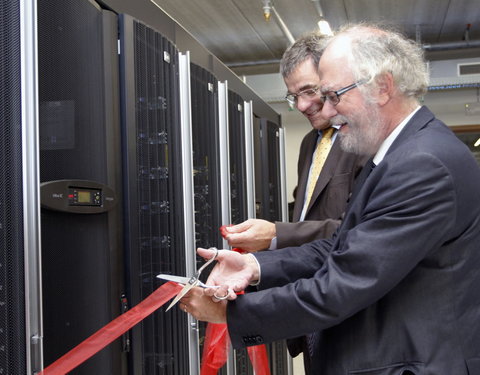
[
  {"x": 326, "y": 172},
  {"x": 418, "y": 121}
]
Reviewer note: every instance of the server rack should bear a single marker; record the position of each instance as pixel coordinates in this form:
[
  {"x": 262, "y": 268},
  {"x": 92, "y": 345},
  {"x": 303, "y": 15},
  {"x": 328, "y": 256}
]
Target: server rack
[
  {"x": 238, "y": 187},
  {"x": 206, "y": 158},
  {"x": 267, "y": 161},
  {"x": 80, "y": 170},
  {"x": 206, "y": 166},
  {"x": 238, "y": 167},
  {"x": 270, "y": 205},
  {"x": 154, "y": 200},
  {"x": 20, "y": 287}
]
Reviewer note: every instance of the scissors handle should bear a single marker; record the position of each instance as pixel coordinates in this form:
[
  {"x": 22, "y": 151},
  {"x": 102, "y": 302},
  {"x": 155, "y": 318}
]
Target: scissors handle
[{"x": 200, "y": 270}]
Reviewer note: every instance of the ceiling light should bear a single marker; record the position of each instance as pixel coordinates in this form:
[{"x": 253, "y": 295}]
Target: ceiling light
[
  {"x": 477, "y": 143},
  {"x": 324, "y": 27},
  {"x": 267, "y": 7}
]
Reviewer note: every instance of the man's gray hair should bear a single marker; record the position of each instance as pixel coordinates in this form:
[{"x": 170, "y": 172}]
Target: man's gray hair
[
  {"x": 308, "y": 46},
  {"x": 376, "y": 50}
]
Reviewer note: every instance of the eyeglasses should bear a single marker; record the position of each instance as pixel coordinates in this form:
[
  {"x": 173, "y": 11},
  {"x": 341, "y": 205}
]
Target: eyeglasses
[
  {"x": 307, "y": 93},
  {"x": 333, "y": 97}
]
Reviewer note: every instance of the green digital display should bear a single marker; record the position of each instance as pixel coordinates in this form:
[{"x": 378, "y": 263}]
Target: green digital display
[{"x": 84, "y": 196}]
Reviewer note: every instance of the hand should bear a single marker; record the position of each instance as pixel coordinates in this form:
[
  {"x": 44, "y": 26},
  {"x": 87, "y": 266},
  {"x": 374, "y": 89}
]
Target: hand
[
  {"x": 233, "y": 273},
  {"x": 201, "y": 307},
  {"x": 251, "y": 235}
]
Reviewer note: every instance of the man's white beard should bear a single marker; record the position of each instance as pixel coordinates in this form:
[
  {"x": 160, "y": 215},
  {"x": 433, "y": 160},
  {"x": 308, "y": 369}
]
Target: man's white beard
[{"x": 364, "y": 135}]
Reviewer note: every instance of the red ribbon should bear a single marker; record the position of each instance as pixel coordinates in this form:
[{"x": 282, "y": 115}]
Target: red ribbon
[
  {"x": 112, "y": 330},
  {"x": 215, "y": 350}
]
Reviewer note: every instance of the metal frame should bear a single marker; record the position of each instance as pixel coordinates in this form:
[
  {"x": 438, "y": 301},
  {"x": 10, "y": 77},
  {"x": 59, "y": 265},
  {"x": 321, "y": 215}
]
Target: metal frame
[
  {"x": 31, "y": 183},
  {"x": 283, "y": 174},
  {"x": 188, "y": 197},
  {"x": 249, "y": 158},
  {"x": 224, "y": 153},
  {"x": 223, "y": 136}
]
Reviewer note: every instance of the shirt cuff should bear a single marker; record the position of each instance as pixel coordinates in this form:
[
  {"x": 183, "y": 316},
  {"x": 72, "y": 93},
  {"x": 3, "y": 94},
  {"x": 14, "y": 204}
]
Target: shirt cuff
[
  {"x": 259, "y": 271},
  {"x": 273, "y": 244}
]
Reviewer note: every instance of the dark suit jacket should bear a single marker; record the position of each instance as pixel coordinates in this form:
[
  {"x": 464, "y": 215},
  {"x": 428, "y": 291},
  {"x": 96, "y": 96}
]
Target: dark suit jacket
[
  {"x": 328, "y": 203},
  {"x": 329, "y": 199},
  {"x": 397, "y": 288}
]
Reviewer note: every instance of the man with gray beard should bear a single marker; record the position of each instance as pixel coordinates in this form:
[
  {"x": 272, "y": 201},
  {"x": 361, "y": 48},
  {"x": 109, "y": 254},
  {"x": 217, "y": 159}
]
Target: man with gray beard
[{"x": 397, "y": 288}]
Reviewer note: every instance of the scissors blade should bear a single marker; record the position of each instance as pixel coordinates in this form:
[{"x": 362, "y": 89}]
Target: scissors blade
[
  {"x": 177, "y": 279},
  {"x": 184, "y": 280},
  {"x": 186, "y": 288}
]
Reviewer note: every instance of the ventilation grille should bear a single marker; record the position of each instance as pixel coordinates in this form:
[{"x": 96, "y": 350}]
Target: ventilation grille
[{"x": 467, "y": 69}]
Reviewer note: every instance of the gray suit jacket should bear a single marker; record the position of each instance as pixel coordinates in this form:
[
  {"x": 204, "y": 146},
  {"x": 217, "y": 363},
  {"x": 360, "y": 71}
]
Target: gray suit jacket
[
  {"x": 329, "y": 199},
  {"x": 397, "y": 288}
]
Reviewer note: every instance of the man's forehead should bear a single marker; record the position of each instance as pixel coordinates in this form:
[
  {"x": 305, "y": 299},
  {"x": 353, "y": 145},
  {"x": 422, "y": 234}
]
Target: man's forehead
[
  {"x": 333, "y": 69},
  {"x": 334, "y": 76}
]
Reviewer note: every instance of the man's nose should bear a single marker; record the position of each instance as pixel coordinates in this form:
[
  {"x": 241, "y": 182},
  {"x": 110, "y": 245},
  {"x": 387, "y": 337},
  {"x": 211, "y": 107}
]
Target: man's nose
[
  {"x": 303, "y": 103},
  {"x": 329, "y": 110}
]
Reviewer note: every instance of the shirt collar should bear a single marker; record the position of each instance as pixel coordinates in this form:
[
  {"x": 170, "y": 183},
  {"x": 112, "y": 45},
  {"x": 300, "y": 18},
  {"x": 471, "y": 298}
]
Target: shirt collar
[{"x": 382, "y": 151}]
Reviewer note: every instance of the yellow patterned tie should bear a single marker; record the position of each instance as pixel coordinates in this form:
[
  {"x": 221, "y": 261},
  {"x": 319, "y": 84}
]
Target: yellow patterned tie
[{"x": 319, "y": 157}]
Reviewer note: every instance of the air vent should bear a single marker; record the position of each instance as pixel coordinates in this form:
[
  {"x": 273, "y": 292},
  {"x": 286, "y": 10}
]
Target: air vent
[{"x": 470, "y": 68}]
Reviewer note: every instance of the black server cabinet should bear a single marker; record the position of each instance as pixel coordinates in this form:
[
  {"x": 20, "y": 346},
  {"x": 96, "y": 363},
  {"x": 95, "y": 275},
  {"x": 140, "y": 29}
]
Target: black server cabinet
[
  {"x": 238, "y": 187},
  {"x": 13, "y": 357},
  {"x": 270, "y": 207},
  {"x": 268, "y": 193},
  {"x": 206, "y": 163},
  {"x": 206, "y": 166},
  {"x": 80, "y": 172},
  {"x": 238, "y": 168},
  {"x": 154, "y": 227}
]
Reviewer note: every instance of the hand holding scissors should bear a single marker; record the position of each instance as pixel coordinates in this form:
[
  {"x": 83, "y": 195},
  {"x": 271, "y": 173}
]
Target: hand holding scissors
[{"x": 189, "y": 282}]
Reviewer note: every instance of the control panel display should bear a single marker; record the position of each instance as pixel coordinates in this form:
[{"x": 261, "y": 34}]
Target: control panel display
[
  {"x": 77, "y": 196},
  {"x": 84, "y": 197}
]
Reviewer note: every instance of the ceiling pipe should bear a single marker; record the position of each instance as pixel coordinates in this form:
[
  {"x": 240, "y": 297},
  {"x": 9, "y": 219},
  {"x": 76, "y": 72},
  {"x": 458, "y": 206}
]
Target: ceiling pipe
[
  {"x": 252, "y": 63},
  {"x": 318, "y": 7},
  {"x": 445, "y": 46},
  {"x": 283, "y": 26}
]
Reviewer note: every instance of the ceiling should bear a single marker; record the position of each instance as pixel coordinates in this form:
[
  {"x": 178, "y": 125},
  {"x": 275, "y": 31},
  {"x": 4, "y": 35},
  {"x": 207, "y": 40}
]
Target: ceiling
[{"x": 236, "y": 32}]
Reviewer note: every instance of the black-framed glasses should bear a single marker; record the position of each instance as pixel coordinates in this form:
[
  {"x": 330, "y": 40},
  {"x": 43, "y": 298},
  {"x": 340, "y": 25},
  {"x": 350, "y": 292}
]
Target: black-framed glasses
[
  {"x": 307, "y": 93},
  {"x": 333, "y": 97}
]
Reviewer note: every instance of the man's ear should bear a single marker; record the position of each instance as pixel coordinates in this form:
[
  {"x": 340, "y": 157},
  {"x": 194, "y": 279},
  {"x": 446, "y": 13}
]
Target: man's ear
[{"x": 385, "y": 88}]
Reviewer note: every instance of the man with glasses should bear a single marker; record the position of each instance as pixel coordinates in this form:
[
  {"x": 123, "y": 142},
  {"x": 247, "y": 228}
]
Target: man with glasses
[
  {"x": 321, "y": 197},
  {"x": 396, "y": 290},
  {"x": 317, "y": 213}
]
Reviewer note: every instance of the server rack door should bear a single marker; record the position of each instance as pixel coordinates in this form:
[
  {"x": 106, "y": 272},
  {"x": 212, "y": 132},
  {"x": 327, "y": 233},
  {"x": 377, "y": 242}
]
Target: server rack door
[
  {"x": 271, "y": 164},
  {"x": 20, "y": 316},
  {"x": 238, "y": 169},
  {"x": 206, "y": 165},
  {"x": 79, "y": 154},
  {"x": 269, "y": 207},
  {"x": 238, "y": 188},
  {"x": 154, "y": 226}
]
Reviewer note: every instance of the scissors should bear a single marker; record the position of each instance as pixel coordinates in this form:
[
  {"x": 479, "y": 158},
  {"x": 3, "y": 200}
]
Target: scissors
[{"x": 189, "y": 282}]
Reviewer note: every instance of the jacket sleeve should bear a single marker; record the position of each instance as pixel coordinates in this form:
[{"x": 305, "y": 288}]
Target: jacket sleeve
[
  {"x": 296, "y": 234},
  {"x": 392, "y": 225}
]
